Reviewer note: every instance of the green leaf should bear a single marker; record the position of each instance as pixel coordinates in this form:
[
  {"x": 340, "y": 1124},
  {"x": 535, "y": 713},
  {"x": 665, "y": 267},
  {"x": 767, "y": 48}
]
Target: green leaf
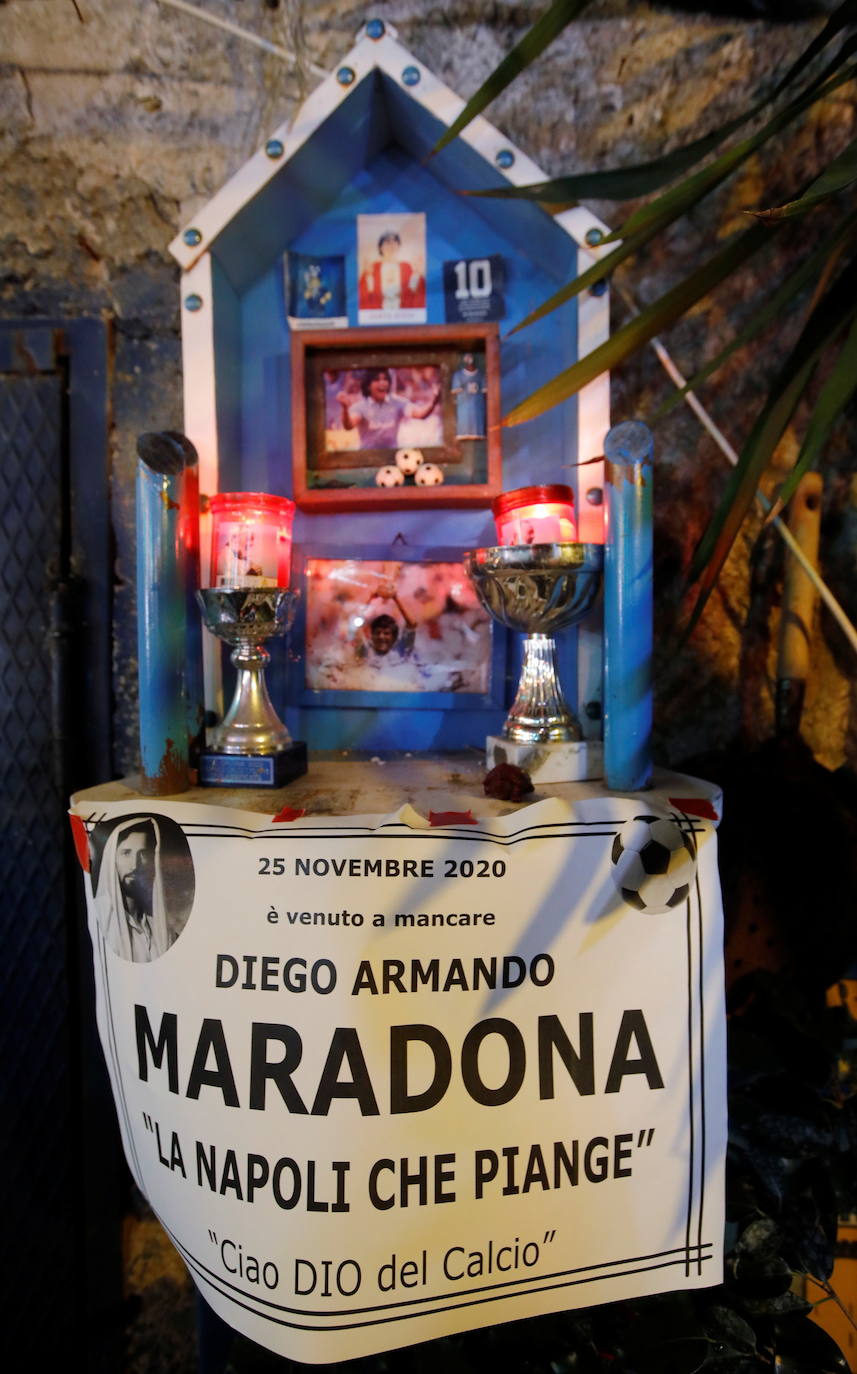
[
  {"x": 771, "y": 309},
  {"x": 718, "y": 539},
  {"x": 840, "y": 18},
  {"x": 643, "y": 327},
  {"x": 531, "y": 46},
  {"x": 677, "y": 201},
  {"x": 627, "y": 183},
  {"x": 602, "y": 268},
  {"x": 835, "y": 311},
  {"x": 741, "y": 488},
  {"x": 835, "y": 395},
  {"x": 838, "y": 174},
  {"x": 641, "y": 227},
  {"x": 620, "y": 183}
]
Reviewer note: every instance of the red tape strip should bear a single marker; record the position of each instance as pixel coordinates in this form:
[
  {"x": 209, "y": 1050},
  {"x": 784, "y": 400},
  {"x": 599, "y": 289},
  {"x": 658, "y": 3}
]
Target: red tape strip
[
  {"x": 695, "y": 806},
  {"x": 452, "y": 818},
  {"x": 81, "y": 843}
]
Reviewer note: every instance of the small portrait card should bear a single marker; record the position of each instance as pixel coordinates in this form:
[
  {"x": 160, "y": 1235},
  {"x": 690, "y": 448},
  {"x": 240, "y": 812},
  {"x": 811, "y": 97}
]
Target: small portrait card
[
  {"x": 315, "y": 291},
  {"x": 391, "y": 265}
]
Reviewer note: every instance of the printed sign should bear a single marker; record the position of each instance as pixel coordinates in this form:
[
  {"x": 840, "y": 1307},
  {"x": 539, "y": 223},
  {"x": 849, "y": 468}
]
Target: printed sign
[
  {"x": 473, "y": 289},
  {"x": 383, "y": 1081}
]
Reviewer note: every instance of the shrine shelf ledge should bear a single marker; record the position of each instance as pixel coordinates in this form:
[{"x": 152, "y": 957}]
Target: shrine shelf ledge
[{"x": 338, "y": 785}]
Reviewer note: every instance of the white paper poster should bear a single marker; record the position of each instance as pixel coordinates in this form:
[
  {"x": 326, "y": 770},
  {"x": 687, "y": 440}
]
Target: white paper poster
[{"x": 383, "y": 1081}]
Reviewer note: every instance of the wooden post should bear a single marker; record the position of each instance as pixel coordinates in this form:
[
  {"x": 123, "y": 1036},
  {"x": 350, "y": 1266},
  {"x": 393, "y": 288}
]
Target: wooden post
[{"x": 799, "y": 598}]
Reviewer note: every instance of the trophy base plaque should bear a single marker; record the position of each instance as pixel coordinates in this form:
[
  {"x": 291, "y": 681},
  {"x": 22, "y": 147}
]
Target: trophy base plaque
[
  {"x": 548, "y": 760},
  {"x": 253, "y": 770}
]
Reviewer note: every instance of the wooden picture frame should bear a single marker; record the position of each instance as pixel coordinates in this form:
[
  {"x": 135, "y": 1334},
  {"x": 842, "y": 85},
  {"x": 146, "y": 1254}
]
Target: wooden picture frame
[
  {"x": 445, "y": 652},
  {"x": 347, "y": 427}
]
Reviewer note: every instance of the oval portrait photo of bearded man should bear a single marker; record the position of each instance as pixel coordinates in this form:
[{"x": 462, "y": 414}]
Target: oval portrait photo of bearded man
[{"x": 143, "y": 881}]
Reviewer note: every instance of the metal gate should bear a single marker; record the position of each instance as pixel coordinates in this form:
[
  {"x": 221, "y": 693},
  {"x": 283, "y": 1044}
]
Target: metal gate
[{"x": 61, "y": 1213}]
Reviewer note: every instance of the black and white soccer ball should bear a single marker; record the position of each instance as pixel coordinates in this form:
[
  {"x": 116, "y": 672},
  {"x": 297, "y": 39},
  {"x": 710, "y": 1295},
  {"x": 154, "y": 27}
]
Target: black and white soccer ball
[
  {"x": 653, "y": 863},
  {"x": 389, "y": 476},
  {"x": 429, "y": 475},
  {"x": 408, "y": 460}
]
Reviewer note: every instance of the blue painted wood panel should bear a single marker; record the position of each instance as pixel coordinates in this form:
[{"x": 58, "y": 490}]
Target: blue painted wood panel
[{"x": 254, "y": 348}]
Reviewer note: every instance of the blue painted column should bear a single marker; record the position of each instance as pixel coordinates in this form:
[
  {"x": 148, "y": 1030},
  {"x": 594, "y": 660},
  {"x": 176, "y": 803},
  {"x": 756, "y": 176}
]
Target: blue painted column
[
  {"x": 628, "y": 449},
  {"x": 189, "y": 534},
  {"x": 161, "y": 616}
]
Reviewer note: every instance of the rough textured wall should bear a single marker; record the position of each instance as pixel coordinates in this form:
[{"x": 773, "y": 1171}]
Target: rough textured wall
[{"x": 120, "y": 117}]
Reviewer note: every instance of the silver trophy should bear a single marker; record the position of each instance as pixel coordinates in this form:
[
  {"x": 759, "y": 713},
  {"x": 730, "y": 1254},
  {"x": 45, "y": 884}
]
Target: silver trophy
[
  {"x": 251, "y": 747},
  {"x": 538, "y": 589}
]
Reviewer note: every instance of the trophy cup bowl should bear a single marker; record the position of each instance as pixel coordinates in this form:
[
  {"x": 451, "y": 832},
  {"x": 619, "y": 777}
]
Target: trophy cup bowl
[
  {"x": 251, "y": 729},
  {"x": 537, "y": 589}
]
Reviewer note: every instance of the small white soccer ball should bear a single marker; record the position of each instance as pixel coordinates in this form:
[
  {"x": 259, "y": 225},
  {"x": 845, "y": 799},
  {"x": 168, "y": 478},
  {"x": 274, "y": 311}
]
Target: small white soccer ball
[
  {"x": 654, "y": 863},
  {"x": 408, "y": 460},
  {"x": 389, "y": 477},
  {"x": 429, "y": 475}
]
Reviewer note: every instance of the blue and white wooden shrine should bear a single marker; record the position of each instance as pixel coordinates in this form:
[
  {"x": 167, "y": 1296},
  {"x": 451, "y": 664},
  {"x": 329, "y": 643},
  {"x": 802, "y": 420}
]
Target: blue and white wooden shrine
[{"x": 360, "y": 144}]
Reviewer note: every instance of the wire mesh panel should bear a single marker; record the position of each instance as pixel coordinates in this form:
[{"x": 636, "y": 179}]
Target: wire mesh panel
[
  {"x": 36, "y": 1152},
  {"x": 58, "y": 1154}
]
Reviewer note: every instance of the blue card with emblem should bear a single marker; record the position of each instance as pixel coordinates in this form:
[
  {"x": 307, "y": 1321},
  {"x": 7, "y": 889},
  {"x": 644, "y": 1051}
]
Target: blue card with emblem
[{"x": 315, "y": 291}]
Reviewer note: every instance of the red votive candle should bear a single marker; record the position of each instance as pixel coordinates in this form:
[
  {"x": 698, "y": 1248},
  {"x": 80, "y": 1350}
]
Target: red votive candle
[
  {"x": 535, "y": 515},
  {"x": 251, "y": 539}
]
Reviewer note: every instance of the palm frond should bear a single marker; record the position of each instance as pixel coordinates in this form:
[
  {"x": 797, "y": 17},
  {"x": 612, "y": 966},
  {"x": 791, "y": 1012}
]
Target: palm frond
[
  {"x": 837, "y": 175},
  {"x": 641, "y": 227},
  {"x": 682, "y": 198},
  {"x": 835, "y": 312},
  {"x": 600, "y": 269},
  {"x": 642, "y": 179},
  {"x": 622, "y": 183},
  {"x": 802, "y": 85},
  {"x": 835, "y": 395},
  {"x": 842, "y": 16},
  {"x": 557, "y": 17},
  {"x": 814, "y": 265},
  {"x": 642, "y": 327}
]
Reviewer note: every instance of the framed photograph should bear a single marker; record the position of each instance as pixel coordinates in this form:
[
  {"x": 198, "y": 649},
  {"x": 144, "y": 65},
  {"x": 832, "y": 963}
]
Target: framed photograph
[
  {"x": 396, "y": 417},
  {"x": 405, "y": 631}
]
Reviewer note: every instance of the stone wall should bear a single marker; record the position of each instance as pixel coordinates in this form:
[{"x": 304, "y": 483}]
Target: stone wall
[{"x": 121, "y": 117}]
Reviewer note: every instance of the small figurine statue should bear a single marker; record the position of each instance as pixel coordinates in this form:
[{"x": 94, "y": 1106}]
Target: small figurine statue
[{"x": 469, "y": 390}]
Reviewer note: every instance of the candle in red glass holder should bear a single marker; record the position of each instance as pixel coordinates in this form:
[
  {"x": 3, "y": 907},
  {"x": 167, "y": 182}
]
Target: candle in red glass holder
[
  {"x": 251, "y": 539},
  {"x": 535, "y": 515}
]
